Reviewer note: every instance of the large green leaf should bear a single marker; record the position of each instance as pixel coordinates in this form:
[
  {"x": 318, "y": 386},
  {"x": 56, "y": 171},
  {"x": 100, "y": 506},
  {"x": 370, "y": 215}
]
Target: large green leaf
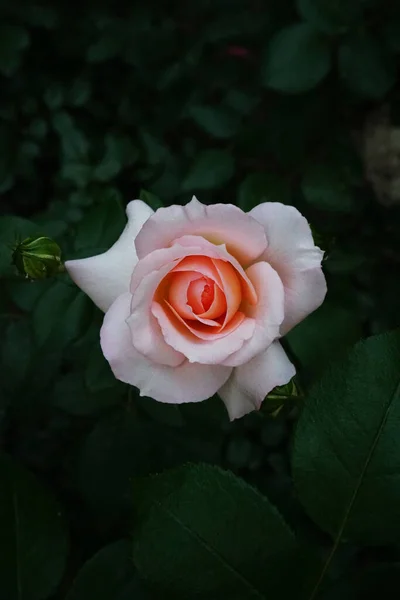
[
  {"x": 298, "y": 59},
  {"x": 33, "y": 540},
  {"x": 210, "y": 169},
  {"x": 61, "y": 314},
  {"x": 108, "y": 575},
  {"x": 346, "y": 455},
  {"x": 118, "y": 448},
  {"x": 203, "y": 533},
  {"x": 71, "y": 395},
  {"x": 377, "y": 581},
  {"x": 365, "y": 67}
]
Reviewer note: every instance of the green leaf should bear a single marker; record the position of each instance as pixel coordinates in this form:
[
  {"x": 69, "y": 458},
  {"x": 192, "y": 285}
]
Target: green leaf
[
  {"x": 218, "y": 122},
  {"x": 54, "y": 97},
  {"x": 263, "y": 187},
  {"x": 13, "y": 39},
  {"x": 108, "y": 575},
  {"x": 211, "y": 169},
  {"x": 204, "y": 533},
  {"x": 346, "y": 454},
  {"x": 324, "y": 187},
  {"x": 106, "y": 48},
  {"x": 391, "y": 32},
  {"x": 119, "y": 152},
  {"x": 168, "y": 414},
  {"x": 38, "y": 128},
  {"x": 25, "y": 295},
  {"x": 240, "y": 101},
  {"x": 330, "y": 16},
  {"x": 15, "y": 354},
  {"x": 33, "y": 541},
  {"x": 327, "y": 332},
  {"x": 150, "y": 199},
  {"x": 61, "y": 314},
  {"x": 156, "y": 151},
  {"x": 102, "y": 225},
  {"x": 72, "y": 396},
  {"x": 377, "y": 581},
  {"x": 80, "y": 174},
  {"x": 74, "y": 144},
  {"x": 79, "y": 93},
  {"x": 98, "y": 374},
  {"x": 118, "y": 448},
  {"x": 297, "y": 60},
  {"x": 364, "y": 66}
]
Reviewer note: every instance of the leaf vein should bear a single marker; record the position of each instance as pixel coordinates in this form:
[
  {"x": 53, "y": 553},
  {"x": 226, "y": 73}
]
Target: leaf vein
[{"x": 356, "y": 491}]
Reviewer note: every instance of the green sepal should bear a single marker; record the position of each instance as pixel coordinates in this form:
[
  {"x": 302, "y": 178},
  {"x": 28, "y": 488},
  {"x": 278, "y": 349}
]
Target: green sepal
[{"x": 37, "y": 258}]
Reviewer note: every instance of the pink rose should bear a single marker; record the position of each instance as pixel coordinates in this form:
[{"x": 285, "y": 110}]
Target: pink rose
[{"x": 196, "y": 298}]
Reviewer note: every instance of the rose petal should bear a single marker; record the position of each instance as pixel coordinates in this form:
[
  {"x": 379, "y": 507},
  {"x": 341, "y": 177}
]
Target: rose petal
[
  {"x": 106, "y": 276},
  {"x": 186, "y": 248},
  {"x": 218, "y": 305},
  {"x": 231, "y": 287},
  {"x": 250, "y": 383},
  {"x": 219, "y": 223},
  {"x": 146, "y": 335},
  {"x": 268, "y": 313},
  {"x": 177, "y": 334},
  {"x": 184, "y": 294},
  {"x": 178, "y": 292},
  {"x": 201, "y": 328},
  {"x": 292, "y": 253},
  {"x": 175, "y": 385},
  {"x": 248, "y": 291},
  {"x": 201, "y": 264}
]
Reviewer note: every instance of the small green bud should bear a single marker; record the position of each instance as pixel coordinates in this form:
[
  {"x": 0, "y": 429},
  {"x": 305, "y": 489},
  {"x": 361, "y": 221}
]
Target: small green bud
[
  {"x": 283, "y": 392},
  {"x": 279, "y": 396},
  {"x": 37, "y": 258}
]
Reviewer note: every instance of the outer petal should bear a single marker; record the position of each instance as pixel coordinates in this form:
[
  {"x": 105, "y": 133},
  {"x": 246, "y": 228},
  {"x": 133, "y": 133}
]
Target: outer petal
[
  {"x": 106, "y": 276},
  {"x": 175, "y": 385},
  {"x": 292, "y": 253},
  {"x": 250, "y": 383},
  {"x": 268, "y": 313},
  {"x": 219, "y": 223}
]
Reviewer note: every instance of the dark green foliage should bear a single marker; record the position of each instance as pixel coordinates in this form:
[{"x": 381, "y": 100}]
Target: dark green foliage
[
  {"x": 179, "y": 548},
  {"x": 237, "y": 102},
  {"x": 34, "y": 539}
]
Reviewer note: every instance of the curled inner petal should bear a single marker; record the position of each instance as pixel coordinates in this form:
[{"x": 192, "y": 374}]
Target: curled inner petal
[
  {"x": 206, "y": 299},
  {"x": 207, "y": 295},
  {"x": 202, "y": 300},
  {"x": 204, "y": 294}
]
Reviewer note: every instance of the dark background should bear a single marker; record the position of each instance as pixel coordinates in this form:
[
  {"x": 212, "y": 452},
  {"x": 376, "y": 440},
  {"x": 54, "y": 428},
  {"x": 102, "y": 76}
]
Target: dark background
[{"x": 234, "y": 101}]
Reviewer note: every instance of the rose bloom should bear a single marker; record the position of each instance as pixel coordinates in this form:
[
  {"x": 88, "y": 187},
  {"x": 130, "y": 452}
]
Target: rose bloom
[{"x": 196, "y": 298}]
